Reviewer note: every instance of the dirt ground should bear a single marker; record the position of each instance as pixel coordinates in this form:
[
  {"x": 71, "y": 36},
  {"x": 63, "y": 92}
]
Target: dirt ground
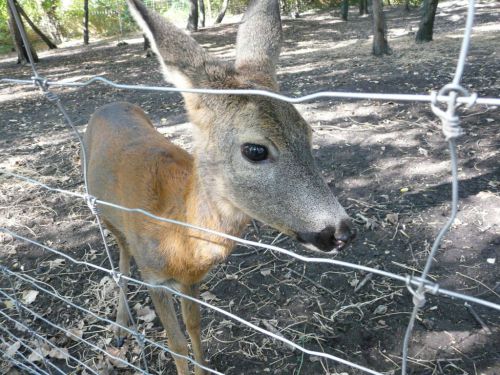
[{"x": 387, "y": 162}]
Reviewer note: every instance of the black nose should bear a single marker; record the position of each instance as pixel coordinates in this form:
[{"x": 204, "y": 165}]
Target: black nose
[{"x": 329, "y": 238}]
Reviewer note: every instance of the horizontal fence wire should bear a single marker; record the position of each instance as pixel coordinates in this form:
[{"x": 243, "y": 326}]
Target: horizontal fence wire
[
  {"x": 469, "y": 100},
  {"x": 34, "y": 283},
  {"x": 432, "y": 287},
  {"x": 67, "y": 332},
  {"x": 16, "y": 362},
  {"x": 39, "y": 336},
  {"x": 453, "y": 95}
]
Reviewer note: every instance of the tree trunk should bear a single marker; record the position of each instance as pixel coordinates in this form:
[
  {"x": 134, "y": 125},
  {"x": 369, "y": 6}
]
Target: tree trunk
[
  {"x": 209, "y": 10},
  {"x": 44, "y": 37},
  {"x": 363, "y": 7},
  {"x": 344, "y": 9},
  {"x": 380, "y": 45},
  {"x": 52, "y": 21},
  {"x": 147, "y": 43},
  {"x": 407, "y": 5},
  {"x": 147, "y": 46},
  {"x": 284, "y": 7},
  {"x": 296, "y": 12},
  {"x": 201, "y": 6},
  {"x": 426, "y": 26},
  {"x": 21, "y": 49},
  {"x": 86, "y": 22},
  {"x": 192, "y": 24},
  {"x": 223, "y": 10}
]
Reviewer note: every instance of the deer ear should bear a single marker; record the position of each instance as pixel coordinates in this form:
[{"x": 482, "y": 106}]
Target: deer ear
[
  {"x": 258, "y": 43},
  {"x": 183, "y": 60}
]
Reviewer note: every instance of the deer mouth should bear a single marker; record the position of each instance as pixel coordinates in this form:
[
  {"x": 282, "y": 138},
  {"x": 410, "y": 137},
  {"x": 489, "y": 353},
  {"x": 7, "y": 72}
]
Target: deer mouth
[{"x": 327, "y": 241}]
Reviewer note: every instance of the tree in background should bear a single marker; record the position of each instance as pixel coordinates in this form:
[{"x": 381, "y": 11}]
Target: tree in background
[
  {"x": 344, "y": 9},
  {"x": 192, "y": 24},
  {"x": 201, "y": 6},
  {"x": 50, "y": 8},
  {"x": 363, "y": 7},
  {"x": 44, "y": 37},
  {"x": 20, "y": 47},
  {"x": 380, "y": 45},
  {"x": 86, "y": 22},
  {"x": 407, "y": 5},
  {"x": 222, "y": 12},
  {"x": 426, "y": 26}
]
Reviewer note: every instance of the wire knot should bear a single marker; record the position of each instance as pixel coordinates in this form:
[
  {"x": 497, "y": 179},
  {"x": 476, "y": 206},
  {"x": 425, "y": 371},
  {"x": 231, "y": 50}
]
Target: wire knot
[
  {"x": 140, "y": 339},
  {"x": 117, "y": 277},
  {"x": 418, "y": 295},
  {"x": 41, "y": 82},
  {"x": 450, "y": 121},
  {"x": 91, "y": 203}
]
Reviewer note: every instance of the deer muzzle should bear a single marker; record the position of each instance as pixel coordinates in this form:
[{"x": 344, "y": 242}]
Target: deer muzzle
[{"x": 330, "y": 238}]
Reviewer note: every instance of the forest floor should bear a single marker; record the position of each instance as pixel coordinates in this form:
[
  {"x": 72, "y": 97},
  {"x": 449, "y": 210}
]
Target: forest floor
[{"x": 387, "y": 162}]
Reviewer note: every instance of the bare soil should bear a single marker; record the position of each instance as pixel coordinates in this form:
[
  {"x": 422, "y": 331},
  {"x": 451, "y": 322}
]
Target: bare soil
[{"x": 387, "y": 161}]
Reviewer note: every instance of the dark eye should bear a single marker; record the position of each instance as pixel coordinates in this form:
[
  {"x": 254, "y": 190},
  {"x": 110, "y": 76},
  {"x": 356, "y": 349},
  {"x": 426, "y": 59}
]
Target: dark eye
[{"x": 254, "y": 152}]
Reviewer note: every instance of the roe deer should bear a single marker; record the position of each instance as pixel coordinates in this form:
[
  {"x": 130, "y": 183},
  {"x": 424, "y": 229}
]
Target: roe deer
[{"x": 252, "y": 159}]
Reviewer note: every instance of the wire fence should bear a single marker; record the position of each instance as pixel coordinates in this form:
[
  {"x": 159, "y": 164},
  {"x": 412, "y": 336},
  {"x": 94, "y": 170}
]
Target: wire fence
[{"x": 37, "y": 345}]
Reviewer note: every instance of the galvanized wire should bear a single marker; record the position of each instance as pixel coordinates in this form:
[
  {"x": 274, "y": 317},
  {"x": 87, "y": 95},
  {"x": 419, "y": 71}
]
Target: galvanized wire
[
  {"x": 453, "y": 95},
  {"x": 426, "y": 98},
  {"x": 40, "y": 337},
  {"x": 52, "y": 97},
  {"x": 67, "y": 332},
  {"x": 17, "y": 362},
  {"x": 451, "y": 130},
  {"x": 32, "y": 281}
]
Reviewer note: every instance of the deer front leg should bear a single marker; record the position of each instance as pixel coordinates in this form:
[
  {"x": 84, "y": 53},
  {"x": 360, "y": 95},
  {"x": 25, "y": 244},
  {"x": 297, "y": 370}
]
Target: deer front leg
[
  {"x": 122, "y": 317},
  {"x": 191, "y": 316},
  {"x": 177, "y": 342}
]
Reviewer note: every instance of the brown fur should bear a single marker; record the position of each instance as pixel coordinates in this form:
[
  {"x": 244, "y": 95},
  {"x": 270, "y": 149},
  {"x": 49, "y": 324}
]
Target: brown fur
[{"x": 131, "y": 164}]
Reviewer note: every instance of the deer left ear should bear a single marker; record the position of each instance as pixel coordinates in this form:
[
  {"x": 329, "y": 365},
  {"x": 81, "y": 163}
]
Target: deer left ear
[
  {"x": 258, "y": 43},
  {"x": 183, "y": 60}
]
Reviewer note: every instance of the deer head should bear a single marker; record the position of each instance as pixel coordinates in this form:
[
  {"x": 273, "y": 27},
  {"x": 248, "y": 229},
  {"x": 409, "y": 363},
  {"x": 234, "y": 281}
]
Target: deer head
[{"x": 252, "y": 153}]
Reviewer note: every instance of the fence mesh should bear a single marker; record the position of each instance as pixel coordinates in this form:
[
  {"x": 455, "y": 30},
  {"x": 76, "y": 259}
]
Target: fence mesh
[{"x": 24, "y": 337}]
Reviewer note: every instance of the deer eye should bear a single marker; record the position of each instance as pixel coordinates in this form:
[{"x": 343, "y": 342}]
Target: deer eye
[{"x": 253, "y": 152}]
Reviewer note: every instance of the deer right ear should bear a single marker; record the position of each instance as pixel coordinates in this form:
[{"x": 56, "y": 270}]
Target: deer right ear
[{"x": 183, "y": 60}]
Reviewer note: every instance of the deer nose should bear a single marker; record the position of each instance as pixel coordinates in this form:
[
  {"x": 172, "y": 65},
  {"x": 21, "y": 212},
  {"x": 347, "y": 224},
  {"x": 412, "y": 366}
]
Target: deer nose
[{"x": 329, "y": 238}]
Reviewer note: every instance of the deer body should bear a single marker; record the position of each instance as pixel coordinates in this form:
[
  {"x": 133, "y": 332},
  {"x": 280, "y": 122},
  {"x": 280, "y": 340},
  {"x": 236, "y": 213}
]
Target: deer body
[
  {"x": 118, "y": 134},
  {"x": 252, "y": 158}
]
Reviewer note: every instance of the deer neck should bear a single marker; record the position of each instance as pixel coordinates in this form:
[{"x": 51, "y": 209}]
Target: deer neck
[{"x": 207, "y": 208}]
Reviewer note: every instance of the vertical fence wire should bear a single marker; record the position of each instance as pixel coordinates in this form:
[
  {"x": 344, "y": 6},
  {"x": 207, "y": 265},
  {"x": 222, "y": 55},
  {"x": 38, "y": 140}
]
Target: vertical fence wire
[
  {"x": 451, "y": 129},
  {"x": 52, "y": 97},
  {"x": 31, "y": 333}
]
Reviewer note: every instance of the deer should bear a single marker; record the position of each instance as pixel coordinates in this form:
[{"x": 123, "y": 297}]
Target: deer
[{"x": 251, "y": 159}]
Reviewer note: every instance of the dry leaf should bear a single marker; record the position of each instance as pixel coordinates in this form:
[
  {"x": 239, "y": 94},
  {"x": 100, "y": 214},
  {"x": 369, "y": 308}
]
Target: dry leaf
[
  {"x": 381, "y": 309},
  {"x": 146, "y": 314},
  {"x": 208, "y": 296},
  {"x": 392, "y": 218},
  {"x": 265, "y": 272},
  {"x": 423, "y": 151},
  {"x": 75, "y": 334},
  {"x": 29, "y": 296},
  {"x": 56, "y": 263},
  {"x": 58, "y": 353},
  {"x": 35, "y": 357},
  {"x": 119, "y": 353},
  {"x": 12, "y": 349}
]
